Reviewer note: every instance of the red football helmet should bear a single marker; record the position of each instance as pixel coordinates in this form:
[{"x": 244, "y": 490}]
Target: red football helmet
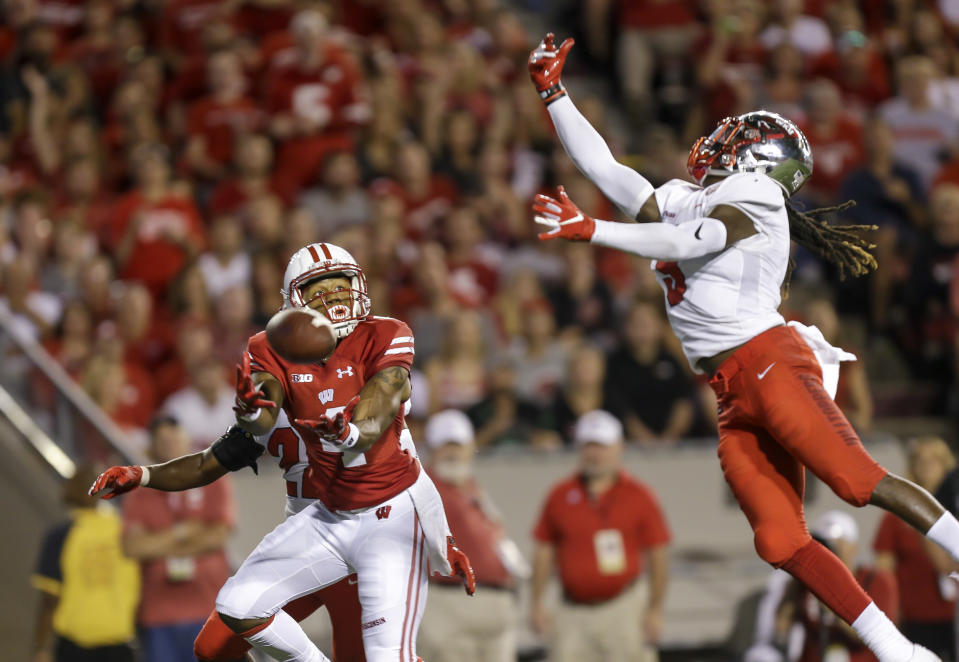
[{"x": 759, "y": 141}]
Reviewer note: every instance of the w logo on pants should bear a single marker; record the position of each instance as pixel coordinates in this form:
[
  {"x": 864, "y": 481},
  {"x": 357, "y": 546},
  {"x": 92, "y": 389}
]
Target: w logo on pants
[{"x": 383, "y": 512}]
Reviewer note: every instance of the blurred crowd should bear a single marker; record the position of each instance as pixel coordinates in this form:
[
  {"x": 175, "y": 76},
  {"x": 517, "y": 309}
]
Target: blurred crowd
[{"x": 160, "y": 161}]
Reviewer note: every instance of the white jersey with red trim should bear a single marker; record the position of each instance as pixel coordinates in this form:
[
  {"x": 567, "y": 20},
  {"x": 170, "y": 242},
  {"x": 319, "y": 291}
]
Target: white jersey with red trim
[
  {"x": 719, "y": 301},
  {"x": 342, "y": 480}
]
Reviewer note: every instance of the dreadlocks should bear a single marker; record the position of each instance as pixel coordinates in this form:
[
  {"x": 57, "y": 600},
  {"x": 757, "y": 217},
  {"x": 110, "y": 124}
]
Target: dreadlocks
[{"x": 838, "y": 244}]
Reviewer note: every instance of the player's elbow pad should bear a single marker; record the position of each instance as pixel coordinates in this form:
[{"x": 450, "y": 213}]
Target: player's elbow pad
[
  {"x": 236, "y": 448},
  {"x": 660, "y": 241}
]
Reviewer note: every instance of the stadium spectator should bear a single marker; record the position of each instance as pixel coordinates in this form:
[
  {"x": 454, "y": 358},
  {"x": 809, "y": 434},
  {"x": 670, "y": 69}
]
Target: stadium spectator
[
  {"x": 484, "y": 629},
  {"x": 926, "y": 612},
  {"x": 250, "y": 177},
  {"x": 539, "y": 355},
  {"x": 457, "y": 375},
  {"x": 581, "y": 391},
  {"x": 600, "y": 556},
  {"x": 85, "y": 616},
  {"x": 502, "y": 417},
  {"x": 232, "y": 322},
  {"x": 179, "y": 539},
  {"x": 338, "y": 200},
  {"x": 226, "y": 264},
  {"x": 583, "y": 303},
  {"x": 34, "y": 312},
  {"x": 925, "y": 136},
  {"x": 155, "y": 230},
  {"x": 646, "y": 385},
  {"x": 205, "y": 405},
  {"x": 836, "y": 139},
  {"x": 790, "y": 25}
]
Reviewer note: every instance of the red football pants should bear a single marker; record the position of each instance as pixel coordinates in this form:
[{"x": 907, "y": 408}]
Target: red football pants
[
  {"x": 218, "y": 643},
  {"x": 775, "y": 419}
]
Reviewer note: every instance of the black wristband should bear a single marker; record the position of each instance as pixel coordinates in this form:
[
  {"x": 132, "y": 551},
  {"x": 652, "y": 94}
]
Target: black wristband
[{"x": 552, "y": 93}]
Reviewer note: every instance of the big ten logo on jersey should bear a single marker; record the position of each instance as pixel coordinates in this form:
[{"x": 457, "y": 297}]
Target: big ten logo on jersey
[
  {"x": 300, "y": 378},
  {"x": 326, "y": 395}
]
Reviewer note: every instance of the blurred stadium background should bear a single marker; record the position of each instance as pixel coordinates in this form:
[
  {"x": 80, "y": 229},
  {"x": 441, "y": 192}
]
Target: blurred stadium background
[{"x": 160, "y": 160}]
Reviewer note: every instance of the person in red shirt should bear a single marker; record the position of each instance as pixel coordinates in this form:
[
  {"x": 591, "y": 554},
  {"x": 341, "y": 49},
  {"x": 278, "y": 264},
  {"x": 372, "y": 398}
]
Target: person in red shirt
[
  {"x": 315, "y": 96},
  {"x": 179, "y": 539},
  {"x": 154, "y": 231},
  {"x": 252, "y": 165},
  {"x": 214, "y": 122},
  {"x": 483, "y": 629},
  {"x": 836, "y": 138},
  {"x": 598, "y": 529},
  {"x": 927, "y": 611},
  {"x": 825, "y": 633}
]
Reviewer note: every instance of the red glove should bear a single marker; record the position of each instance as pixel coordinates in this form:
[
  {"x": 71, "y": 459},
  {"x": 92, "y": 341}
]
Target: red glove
[
  {"x": 249, "y": 398},
  {"x": 337, "y": 430},
  {"x": 460, "y": 563},
  {"x": 116, "y": 480},
  {"x": 562, "y": 217},
  {"x": 546, "y": 66}
]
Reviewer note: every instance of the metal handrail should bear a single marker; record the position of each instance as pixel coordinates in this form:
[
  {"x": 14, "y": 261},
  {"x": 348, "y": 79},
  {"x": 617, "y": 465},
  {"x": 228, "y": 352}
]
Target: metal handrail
[
  {"x": 69, "y": 389},
  {"x": 40, "y": 440}
]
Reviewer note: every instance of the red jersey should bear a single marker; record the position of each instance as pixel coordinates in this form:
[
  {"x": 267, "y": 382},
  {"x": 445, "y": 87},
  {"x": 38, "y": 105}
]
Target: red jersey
[
  {"x": 220, "y": 123},
  {"x": 155, "y": 260},
  {"x": 837, "y": 154},
  {"x": 345, "y": 480},
  {"x": 922, "y": 603},
  {"x": 599, "y": 541}
]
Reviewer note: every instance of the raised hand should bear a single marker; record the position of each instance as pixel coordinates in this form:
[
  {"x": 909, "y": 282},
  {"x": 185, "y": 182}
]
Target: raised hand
[
  {"x": 546, "y": 66},
  {"x": 562, "y": 217},
  {"x": 116, "y": 480},
  {"x": 249, "y": 398},
  {"x": 337, "y": 430},
  {"x": 460, "y": 563}
]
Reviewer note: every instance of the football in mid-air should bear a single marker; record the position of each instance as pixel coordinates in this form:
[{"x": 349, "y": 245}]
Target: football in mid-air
[{"x": 301, "y": 335}]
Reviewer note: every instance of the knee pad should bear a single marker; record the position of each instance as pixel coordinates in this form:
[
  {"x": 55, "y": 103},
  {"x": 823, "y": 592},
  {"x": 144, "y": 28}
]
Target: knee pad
[
  {"x": 218, "y": 643},
  {"x": 776, "y": 543}
]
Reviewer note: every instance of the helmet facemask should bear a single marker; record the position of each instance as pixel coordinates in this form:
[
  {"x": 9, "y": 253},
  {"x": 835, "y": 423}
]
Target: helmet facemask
[
  {"x": 345, "y": 308},
  {"x": 760, "y": 141}
]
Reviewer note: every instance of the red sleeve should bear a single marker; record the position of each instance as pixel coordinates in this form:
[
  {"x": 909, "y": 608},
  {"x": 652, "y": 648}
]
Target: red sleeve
[
  {"x": 219, "y": 503},
  {"x": 545, "y": 529},
  {"x": 394, "y": 347},
  {"x": 195, "y": 116},
  {"x": 263, "y": 359},
  {"x": 886, "y": 535},
  {"x": 653, "y": 530}
]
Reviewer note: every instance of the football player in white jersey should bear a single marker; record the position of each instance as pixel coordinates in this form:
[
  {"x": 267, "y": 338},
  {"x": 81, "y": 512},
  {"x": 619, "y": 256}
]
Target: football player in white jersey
[{"x": 720, "y": 249}]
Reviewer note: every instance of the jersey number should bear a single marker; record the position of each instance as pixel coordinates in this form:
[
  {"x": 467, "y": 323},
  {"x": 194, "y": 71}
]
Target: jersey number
[
  {"x": 673, "y": 280},
  {"x": 285, "y": 445}
]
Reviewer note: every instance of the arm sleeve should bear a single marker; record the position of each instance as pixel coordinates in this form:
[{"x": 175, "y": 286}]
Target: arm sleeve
[
  {"x": 660, "y": 241},
  {"x": 628, "y": 189},
  {"x": 262, "y": 359}
]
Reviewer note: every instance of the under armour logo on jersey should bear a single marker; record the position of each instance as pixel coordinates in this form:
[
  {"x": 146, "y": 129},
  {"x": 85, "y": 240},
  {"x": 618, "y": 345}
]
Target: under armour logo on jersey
[
  {"x": 383, "y": 512},
  {"x": 325, "y": 395},
  {"x": 344, "y": 373}
]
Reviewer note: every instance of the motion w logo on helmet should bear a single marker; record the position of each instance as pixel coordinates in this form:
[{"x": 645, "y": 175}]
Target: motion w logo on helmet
[{"x": 383, "y": 512}]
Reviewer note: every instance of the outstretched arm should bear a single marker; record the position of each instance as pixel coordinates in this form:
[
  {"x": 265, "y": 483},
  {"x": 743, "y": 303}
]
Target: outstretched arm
[
  {"x": 234, "y": 450},
  {"x": 724, "y": 226},
  {"x": 629, "y": 190}
]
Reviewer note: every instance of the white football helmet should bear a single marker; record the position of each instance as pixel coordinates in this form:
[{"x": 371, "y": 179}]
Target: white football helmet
[{"x": 323, "y": 260}]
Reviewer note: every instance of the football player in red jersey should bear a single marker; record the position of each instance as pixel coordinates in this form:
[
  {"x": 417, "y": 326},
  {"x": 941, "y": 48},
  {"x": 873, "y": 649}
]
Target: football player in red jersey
[
  {"x": 720, "y": 249},
  {"x": 370, "y": 514},
  {"x": 234, "y": 450}
]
